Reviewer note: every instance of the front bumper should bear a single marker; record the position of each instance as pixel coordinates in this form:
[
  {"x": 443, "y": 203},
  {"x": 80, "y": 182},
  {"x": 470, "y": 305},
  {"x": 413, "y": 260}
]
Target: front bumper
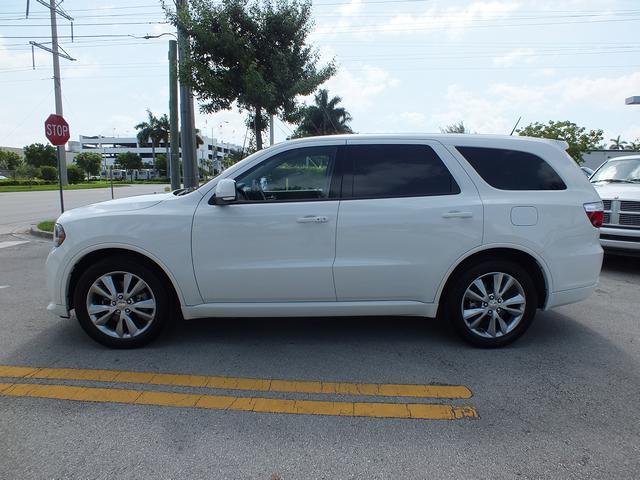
[
  {"x": 620, "y": 239},
  {"x": 58, "y": 310}
]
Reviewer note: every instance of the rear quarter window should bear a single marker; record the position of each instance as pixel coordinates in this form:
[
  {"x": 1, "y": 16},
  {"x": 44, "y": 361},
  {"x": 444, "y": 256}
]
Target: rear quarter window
[{"x": 507, "y": 169}]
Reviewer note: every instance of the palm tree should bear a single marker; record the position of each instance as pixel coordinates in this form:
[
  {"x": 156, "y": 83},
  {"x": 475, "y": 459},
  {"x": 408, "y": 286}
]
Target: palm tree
[
  {"x": 324, "y": 117},
  {"x": 617, "y": 144},
  {"x": 634, "y": 146},
  {"x": 150, "y": 131}
]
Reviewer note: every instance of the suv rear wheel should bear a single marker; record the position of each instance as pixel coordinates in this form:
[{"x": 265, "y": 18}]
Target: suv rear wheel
[
  {"x": 121, "y": 302},
  {"x": 492, "y": 303}
]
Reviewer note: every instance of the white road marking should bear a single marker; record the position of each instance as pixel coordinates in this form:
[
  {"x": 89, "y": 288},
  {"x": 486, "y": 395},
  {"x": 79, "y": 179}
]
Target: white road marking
[
  {"x": 12, "y": 244},
  {"x": 4, "y": 286}
]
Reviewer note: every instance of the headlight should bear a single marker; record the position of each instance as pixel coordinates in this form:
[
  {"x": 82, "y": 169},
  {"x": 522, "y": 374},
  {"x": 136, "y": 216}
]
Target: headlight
[{"x": 58, "y": 235}]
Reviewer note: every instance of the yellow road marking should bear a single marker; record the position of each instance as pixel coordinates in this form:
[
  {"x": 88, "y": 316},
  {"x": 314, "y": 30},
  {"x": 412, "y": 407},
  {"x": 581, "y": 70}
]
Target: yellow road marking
[
  {"x": 233, "y": 383},
  {"x": 218, "y": 402}
]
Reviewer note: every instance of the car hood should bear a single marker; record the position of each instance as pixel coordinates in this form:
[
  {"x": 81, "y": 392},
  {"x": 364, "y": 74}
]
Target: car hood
[
  {"x": 622, "y": 191},
  {"x": 138, "y": 202}
]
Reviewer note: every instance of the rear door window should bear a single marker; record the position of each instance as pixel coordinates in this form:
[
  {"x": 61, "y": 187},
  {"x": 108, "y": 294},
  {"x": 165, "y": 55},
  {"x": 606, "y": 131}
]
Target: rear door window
[
  {"x": 512, "y": 169},
  {"x": 396, "y": 170}
]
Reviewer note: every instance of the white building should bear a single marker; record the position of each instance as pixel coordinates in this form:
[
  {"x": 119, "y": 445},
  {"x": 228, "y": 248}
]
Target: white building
[{"x": 209, "y": 154}]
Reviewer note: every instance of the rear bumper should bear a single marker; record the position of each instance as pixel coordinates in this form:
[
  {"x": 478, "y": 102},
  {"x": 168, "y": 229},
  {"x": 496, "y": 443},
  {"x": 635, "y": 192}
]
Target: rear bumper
[{"x": 566, "y": 297}]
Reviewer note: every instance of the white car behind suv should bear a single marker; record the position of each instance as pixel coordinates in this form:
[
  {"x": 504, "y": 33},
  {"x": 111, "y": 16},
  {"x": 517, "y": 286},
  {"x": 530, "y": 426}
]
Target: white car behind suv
[
  {"x": 618, "y": 183},
  {"x": 479, "y": 230}
]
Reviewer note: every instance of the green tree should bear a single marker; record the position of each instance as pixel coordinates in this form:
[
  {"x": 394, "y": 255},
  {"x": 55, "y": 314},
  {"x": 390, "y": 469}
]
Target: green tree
[
  {"x": 48, "y": 173},
  {"x": 324, "y": 117},
  {"x": 579, "y": 139},
  {"x": 455, "y": 128},
  {"x": 634, "y": 146},
  {"x": 89, "y": 162},
  {"x": 161, "y": 164},
  {"x": 75, "y": 174},
  {"x": 9, "y": 160},
  {"x": 129, "y": 161},
  {"x": 151, "y": 131},
  {"x": 617, "y": 144},
  {"x": 27, "y": 171},
  {"x": 38, "y": 155},
  {"x": 252, "y": 52}
]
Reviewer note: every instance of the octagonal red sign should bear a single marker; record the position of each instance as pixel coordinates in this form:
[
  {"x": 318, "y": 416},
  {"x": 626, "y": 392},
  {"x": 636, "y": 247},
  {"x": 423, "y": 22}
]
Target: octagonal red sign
[{"x": 56, "y": 129}]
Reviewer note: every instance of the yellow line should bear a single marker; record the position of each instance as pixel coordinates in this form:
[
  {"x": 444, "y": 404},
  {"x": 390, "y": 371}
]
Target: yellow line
[
  {"x": 233, "y": 383},
  {"x": 420, "y": 411}
]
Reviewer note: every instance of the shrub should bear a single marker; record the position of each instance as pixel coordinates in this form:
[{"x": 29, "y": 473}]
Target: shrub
[
  {"x": 74, "y": 174},
  {"x": 48, "y": 173},
  {"x": 27, "y": 171}
]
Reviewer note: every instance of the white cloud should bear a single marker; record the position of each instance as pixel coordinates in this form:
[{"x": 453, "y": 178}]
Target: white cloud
[
  {"x": 360, "y": 87},
  {"x": 527, "y": 55},
  {"x": 451, "y": 19}
]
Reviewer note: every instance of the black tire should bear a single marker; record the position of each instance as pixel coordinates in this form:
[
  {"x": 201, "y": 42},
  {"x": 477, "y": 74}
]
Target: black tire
[
  {"x": 157, "y": 291},
  {"x": 480, "y": 336}
]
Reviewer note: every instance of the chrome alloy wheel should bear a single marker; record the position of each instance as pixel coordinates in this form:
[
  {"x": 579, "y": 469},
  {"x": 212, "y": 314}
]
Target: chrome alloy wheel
[
  {"x": 121, "y": 304},
  {"x": 493, "y": 305}
]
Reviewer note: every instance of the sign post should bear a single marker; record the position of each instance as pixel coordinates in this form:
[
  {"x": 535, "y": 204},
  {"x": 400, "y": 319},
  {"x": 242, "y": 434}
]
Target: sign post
[{"x": 57, "y": 132}]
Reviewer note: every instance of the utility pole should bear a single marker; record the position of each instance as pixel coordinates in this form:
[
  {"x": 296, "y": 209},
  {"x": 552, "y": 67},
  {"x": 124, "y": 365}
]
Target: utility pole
[
  {"x": 174, "y": 140},
  {"x": 54, "y": 50},
  {"x": 187, "y": 120},
  {"x": 271, "y": 118}
]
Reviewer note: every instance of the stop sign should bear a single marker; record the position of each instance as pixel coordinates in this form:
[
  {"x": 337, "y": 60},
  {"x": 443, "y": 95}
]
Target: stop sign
[{"x": 56, "y": 129}]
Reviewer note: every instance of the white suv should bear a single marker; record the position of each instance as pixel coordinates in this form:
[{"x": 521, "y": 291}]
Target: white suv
[{"x": 479, "y": 230}]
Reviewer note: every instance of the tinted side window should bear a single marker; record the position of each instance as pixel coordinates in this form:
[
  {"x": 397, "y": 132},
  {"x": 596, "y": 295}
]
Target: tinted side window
[
  {"x": 511, "y": 169},
  {"x": 399, "y": 171}
]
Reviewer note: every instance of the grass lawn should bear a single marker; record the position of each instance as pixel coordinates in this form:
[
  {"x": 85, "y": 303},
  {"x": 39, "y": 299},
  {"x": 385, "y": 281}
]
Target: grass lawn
[
  {"x": 47, "y": 225},
  {"x": 77, "y": 186}
]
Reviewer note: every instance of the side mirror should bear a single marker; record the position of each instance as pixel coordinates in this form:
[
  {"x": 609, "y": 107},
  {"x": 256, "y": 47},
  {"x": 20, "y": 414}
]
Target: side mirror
[{"x": 226, "y": 191}]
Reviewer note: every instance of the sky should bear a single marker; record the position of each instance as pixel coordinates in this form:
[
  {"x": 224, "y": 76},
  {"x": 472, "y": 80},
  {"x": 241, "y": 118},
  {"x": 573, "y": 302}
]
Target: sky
[{"x": 403, "y": 66}]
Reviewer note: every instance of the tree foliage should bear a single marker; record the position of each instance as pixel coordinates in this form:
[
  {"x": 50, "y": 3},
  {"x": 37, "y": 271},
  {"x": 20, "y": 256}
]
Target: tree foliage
[
  {"x": 455, "y": 128},
  {"x": 38, "y": 155},
  {"x": 9, "y": 160},
  {"x": 74, "y": 174},
  {"x": 48, "y": 173},
  {"x": 252, "y": 52},
  {"x": 617, "y": 144},
  {"x": 25, "y": 170},
  {"x": 89, "y": 162},
  {"x": 129, "y": 161},
  {"x": 579, "y": 139},
  {"x": 154, "y": 131},
  {"x": 161, "y": 164},
  {"x": 324, "y": 117}
]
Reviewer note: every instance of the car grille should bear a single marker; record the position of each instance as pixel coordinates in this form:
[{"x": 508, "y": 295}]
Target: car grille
[
  {"x": 621, "y": 213},
  {"x": 630, "y": 219},
  {"x": 627, "y": 206}
]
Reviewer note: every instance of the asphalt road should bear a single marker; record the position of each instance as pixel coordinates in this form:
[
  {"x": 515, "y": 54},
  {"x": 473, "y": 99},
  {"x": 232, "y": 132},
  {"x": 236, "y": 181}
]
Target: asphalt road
[
  {"x": 19, "y": 210},
  {"x": 559, "y": 403}
]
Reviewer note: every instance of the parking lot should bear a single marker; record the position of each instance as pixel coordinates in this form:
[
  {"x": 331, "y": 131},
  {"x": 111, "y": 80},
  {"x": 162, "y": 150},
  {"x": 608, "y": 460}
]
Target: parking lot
[{"x": 318, "y": 398}]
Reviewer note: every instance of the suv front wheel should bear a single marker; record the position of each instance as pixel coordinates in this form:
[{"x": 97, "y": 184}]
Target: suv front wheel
[{"x": 492, "y": 303}]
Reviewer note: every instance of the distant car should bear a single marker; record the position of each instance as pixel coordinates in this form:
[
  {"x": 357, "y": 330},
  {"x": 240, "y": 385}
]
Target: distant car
[
  {"x": 587, "y": 171},
  {"x": 618, "y": 183},
  {"x": 479, "y": 230},
  {"x": 2, "y": 177}
]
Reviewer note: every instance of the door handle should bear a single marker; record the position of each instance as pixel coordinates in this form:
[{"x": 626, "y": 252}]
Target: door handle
[
  {"x": 313, "y": 219},
  {"x": 457, "y": 214}
]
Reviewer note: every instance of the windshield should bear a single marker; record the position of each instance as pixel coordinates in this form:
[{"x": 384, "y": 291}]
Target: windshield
[{"x": 618, "y": 171}]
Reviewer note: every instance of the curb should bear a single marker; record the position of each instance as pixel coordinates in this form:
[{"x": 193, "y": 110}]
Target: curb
[{"x": 34, "y": 230}]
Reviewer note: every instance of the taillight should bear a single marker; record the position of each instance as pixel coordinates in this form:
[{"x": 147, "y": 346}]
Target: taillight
[{"x": 595, "y": 212}]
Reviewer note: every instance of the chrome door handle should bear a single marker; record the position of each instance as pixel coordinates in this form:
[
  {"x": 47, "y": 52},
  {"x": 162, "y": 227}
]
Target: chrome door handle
[
  {"x": 313, "y": 219},
  {"x": 457, "y": 214}
]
